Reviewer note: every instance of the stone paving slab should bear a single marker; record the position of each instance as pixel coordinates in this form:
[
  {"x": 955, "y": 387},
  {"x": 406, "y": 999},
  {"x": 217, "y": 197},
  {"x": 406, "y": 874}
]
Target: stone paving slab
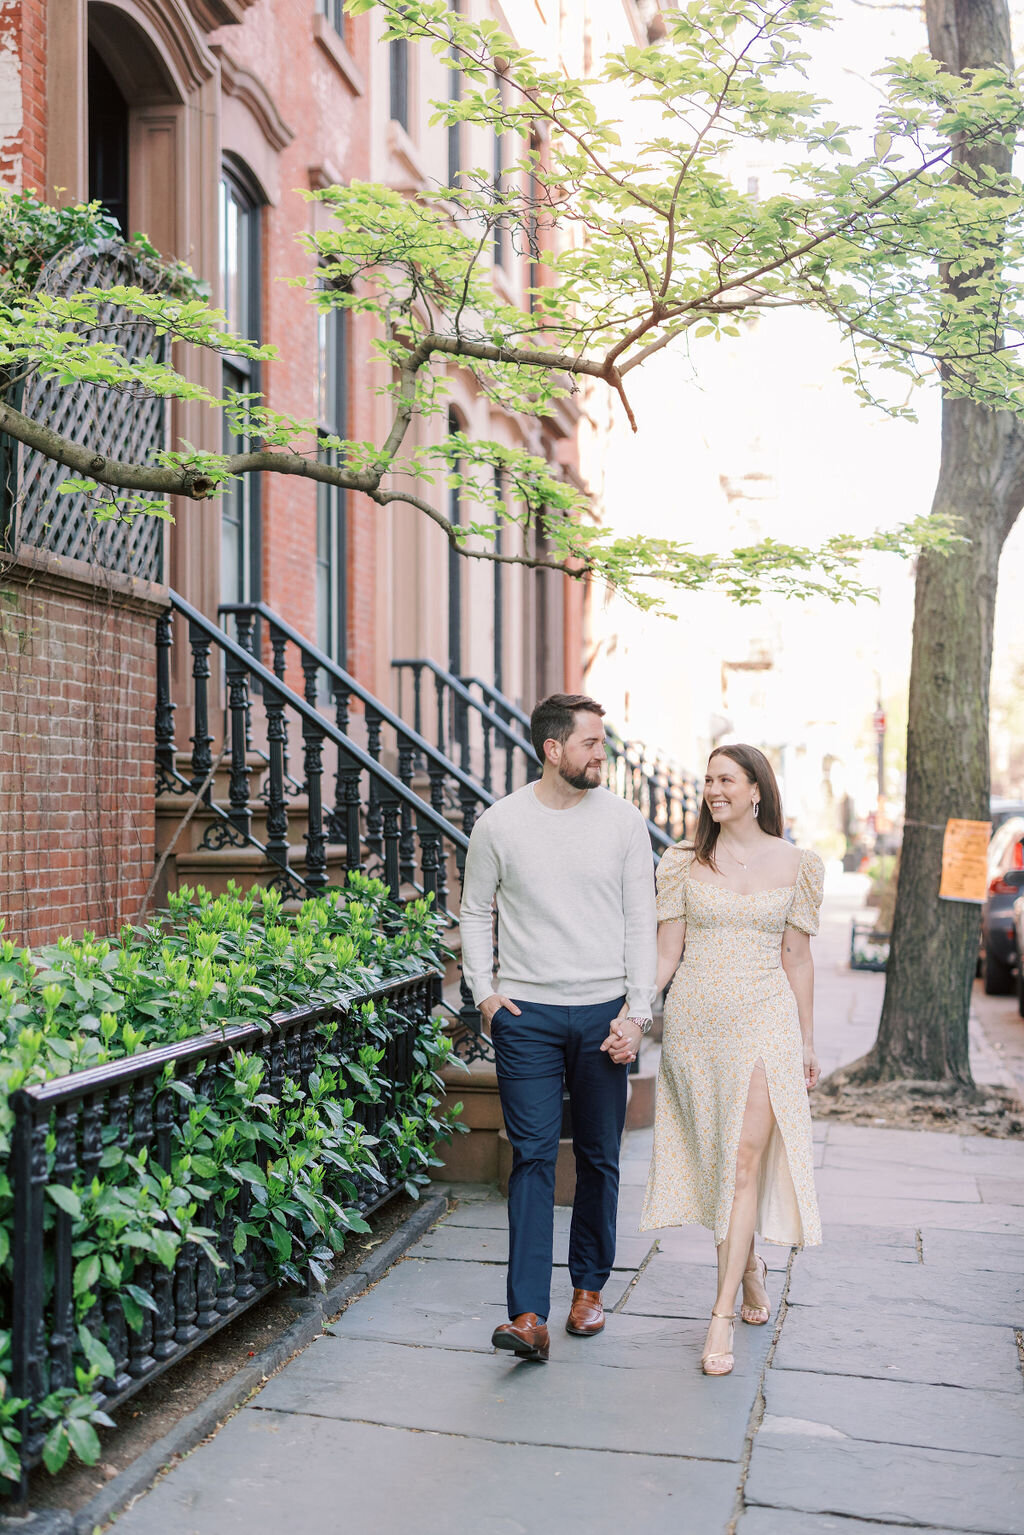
[
  {"x": 669, "y": 1288},
  {"x": 995, "y": 1190},
  {"x": 870, "y": 1344},
  {"x": 877, "y": 1181},
  {"x": 695, "y": 1244},
  {"x": 564, "y": 1404},
  {"x": 486, "y": 1245},
  {"x": 932, "y": 1290},
  {"x": 269, "y": 1472},
  {"x": 456, "y": 1305},
  {"x": 893, "y": 1483},
  {"x": 967, "y": 1250},
  {"x": 887, "y": 1244},
  {"x": 783, "y": 1521},
  {"x": 858, "y": 1210},
  {"x": 801, "y": 1404}
]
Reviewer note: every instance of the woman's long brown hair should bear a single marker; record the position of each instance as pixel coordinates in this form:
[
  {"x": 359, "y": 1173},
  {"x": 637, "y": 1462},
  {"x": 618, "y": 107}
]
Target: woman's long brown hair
[{"x": 759, "y": 771}]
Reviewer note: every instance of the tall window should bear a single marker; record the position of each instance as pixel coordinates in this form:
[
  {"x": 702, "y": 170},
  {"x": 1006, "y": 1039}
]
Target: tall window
[
  {"x": 499, "y": 590},
  {"x": 240, "y": 537},
  {"x": 108, "y": 142},
  {"x": 454, "y": 129},
  {"x": 498, "y": 175},
  {"x": 533, "y": 223},
  {"x": 331, "y": 510},
  {"x": 399, "y": 93},
  {"x": 334, "y": 10},
  {"x": 455, "y": 563}
]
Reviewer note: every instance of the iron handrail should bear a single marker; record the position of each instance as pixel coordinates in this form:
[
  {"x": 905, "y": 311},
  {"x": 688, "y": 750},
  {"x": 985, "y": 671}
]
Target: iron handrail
[
  {"x": 494, "y": 696},
  {"x": 331, "y": 667},
  {"x": 319, "y": 722},
  {"x": 462, "y": 693}
]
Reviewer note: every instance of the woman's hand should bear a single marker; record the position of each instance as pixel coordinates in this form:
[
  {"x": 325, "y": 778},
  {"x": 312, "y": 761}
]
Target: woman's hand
[{"x": 812, "y": 1071}]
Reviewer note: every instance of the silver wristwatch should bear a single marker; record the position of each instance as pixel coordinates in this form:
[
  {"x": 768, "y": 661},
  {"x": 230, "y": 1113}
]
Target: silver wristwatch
[{"x": 643, "y": 1024}]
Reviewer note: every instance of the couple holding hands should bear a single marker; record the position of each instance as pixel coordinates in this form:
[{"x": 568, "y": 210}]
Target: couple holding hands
[{"x": 585, "y": 944}]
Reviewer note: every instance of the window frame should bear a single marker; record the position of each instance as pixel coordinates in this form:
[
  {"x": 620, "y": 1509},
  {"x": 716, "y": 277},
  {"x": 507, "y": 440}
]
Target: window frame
[{"x": 243, "y": 375}]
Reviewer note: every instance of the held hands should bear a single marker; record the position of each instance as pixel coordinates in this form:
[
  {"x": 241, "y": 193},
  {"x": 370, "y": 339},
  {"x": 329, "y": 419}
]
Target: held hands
[
  {"x": 812, "y": 1071},
  {"x": 623, "y": 1040},
  {"x": 493, "y": 1004}
]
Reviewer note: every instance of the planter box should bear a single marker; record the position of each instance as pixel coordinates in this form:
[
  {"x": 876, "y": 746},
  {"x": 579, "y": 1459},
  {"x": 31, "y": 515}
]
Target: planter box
[{"x": 869, "y": 950}]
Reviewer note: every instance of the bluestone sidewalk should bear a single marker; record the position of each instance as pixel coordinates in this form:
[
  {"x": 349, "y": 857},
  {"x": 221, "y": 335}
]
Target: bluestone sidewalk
[{"x": 886, "y": 1391}]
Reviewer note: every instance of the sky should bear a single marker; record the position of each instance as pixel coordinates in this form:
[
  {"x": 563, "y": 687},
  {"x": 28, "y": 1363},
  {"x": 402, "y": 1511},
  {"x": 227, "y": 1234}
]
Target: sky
[{"x": 760, "y": 435}]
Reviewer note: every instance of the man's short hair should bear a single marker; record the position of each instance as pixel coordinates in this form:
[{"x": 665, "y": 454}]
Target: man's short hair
[{"x": 554, "y": 718}]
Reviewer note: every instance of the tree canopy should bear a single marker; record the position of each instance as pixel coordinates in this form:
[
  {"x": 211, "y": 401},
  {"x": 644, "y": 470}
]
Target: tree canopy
[{"x": 640, "y": 243}]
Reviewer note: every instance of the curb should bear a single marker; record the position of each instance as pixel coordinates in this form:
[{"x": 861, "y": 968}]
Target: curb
[{"x": 314, "y": 1311}]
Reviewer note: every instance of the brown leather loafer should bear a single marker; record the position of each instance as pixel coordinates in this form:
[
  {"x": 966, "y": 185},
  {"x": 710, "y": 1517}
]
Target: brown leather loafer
[
  {"x": 586, "y": 1315},
  {"x": 524, "y": 1336}
]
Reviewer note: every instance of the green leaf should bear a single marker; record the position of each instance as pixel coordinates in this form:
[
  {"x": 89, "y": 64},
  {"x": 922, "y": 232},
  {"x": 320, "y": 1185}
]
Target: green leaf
[
  {"x": 97, "y": 1353},
  {"x": 55, "y": 1448},
  {"x": 84, "y": 1440},
  {"x": 87, "y": 1273}
]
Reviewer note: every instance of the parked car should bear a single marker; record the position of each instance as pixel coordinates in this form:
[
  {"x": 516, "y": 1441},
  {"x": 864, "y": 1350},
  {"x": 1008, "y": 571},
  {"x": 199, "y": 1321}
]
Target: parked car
[
  {"x": 1001, "y": 809},
  {"x": 999, "y": 948},
  {"x": 1018, "y": 924}
]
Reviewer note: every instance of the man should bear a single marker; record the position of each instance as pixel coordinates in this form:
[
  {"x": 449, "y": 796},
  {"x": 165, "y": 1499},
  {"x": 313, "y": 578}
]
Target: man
[{"x": 569, "y": 866}]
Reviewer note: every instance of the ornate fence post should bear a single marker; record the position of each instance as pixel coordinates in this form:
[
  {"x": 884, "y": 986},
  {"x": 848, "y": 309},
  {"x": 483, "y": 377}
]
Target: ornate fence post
[{"x": 164, "y": 722}]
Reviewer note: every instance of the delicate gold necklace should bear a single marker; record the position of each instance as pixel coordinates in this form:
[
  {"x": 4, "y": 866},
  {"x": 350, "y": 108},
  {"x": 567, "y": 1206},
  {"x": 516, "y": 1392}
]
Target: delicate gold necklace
[{"x": 732, "y": 855}]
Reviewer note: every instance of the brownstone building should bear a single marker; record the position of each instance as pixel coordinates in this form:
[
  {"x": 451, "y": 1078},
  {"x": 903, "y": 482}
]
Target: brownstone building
[{"x": 202, "y": 123}]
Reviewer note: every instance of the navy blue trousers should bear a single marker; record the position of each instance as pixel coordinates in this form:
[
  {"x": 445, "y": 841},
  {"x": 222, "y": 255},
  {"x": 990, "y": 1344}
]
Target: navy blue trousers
[{"x": 535, "y": 1053}]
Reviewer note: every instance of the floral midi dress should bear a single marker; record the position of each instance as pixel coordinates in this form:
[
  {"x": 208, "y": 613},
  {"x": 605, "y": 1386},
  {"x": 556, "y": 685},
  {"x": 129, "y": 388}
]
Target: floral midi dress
[{"x": 730, "y": 1006}]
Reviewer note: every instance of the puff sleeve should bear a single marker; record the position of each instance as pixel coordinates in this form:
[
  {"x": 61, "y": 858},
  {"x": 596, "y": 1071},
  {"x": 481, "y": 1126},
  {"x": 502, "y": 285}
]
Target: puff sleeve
[
  {"x": 673, "y": 874},
  {"x": 810, "y": 887}
]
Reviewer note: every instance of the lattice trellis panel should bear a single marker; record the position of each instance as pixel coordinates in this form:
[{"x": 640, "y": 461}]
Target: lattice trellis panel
[{"x": 119, "y": 423}]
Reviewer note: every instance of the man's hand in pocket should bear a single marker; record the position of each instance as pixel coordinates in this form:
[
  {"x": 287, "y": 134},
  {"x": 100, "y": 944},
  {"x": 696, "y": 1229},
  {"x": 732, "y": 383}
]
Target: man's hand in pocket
[{"x": 493, "y": 1004}]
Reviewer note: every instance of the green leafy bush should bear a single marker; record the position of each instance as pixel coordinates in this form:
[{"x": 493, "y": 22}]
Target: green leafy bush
[{"x": 284, "y": 1174}]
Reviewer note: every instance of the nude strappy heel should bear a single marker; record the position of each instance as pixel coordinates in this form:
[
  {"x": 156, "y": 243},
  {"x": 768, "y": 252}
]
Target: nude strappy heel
[
  {"x": 709, "y": 1362},
  {"x": 760, "y": 1313}
]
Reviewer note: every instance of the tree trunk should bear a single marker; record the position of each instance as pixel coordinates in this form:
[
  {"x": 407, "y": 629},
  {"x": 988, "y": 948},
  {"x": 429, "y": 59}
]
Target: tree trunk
[{"x": 923, "y": 1031}]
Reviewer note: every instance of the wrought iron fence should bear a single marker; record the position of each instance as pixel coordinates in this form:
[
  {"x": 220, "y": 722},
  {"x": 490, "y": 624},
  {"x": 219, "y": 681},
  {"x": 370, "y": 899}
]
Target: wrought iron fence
[{"x": 63, "y": 1131}]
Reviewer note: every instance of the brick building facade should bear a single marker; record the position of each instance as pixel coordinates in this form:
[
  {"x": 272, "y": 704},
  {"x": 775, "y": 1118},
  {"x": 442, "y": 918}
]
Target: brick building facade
[{"x": 202, "y": 123}]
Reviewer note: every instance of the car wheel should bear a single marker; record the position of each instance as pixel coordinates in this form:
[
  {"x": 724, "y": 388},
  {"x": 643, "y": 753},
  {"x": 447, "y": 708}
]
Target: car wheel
[{"x": 997, "y": 977}]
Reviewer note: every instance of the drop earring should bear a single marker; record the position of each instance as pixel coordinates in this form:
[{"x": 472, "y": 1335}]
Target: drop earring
[{"x": 757, "y": 808}]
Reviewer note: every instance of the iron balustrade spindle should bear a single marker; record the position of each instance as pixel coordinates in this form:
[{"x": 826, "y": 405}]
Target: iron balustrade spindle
[
  {"x": 164, "y": 723},
  {"x": 202, "y": 757},
  {"x": 238, "y": 710}
]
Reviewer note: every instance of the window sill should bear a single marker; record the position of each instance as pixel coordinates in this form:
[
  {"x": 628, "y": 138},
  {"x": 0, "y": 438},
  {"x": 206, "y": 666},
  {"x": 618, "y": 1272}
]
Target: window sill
[{"x": 334, "y": 47}]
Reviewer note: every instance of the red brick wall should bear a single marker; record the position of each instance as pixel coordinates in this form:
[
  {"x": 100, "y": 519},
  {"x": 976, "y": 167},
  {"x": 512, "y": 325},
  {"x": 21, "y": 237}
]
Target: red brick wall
[
  {"x": 23, "y": 34},
  {"x": 77, "y": 696}
]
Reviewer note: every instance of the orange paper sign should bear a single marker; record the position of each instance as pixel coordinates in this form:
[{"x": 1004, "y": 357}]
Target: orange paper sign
[{"x": 965, "y": 861}]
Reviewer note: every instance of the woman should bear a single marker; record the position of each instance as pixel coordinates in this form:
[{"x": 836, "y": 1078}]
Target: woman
[{"x": 732, "y": 1129}]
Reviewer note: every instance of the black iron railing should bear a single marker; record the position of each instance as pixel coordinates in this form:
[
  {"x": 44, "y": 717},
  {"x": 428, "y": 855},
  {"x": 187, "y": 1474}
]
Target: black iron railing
[
  {"x": 466, "y": 727},
  {"x": 378, "y": 821},
  {"x": 451, "y": 790},
  {"x": 667, "y": 795},
  {"x": 64, "y": 1133}
]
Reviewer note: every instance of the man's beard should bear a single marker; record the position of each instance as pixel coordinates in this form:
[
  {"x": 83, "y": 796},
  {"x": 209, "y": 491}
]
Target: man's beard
[{"x": 582, "y": 779}]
